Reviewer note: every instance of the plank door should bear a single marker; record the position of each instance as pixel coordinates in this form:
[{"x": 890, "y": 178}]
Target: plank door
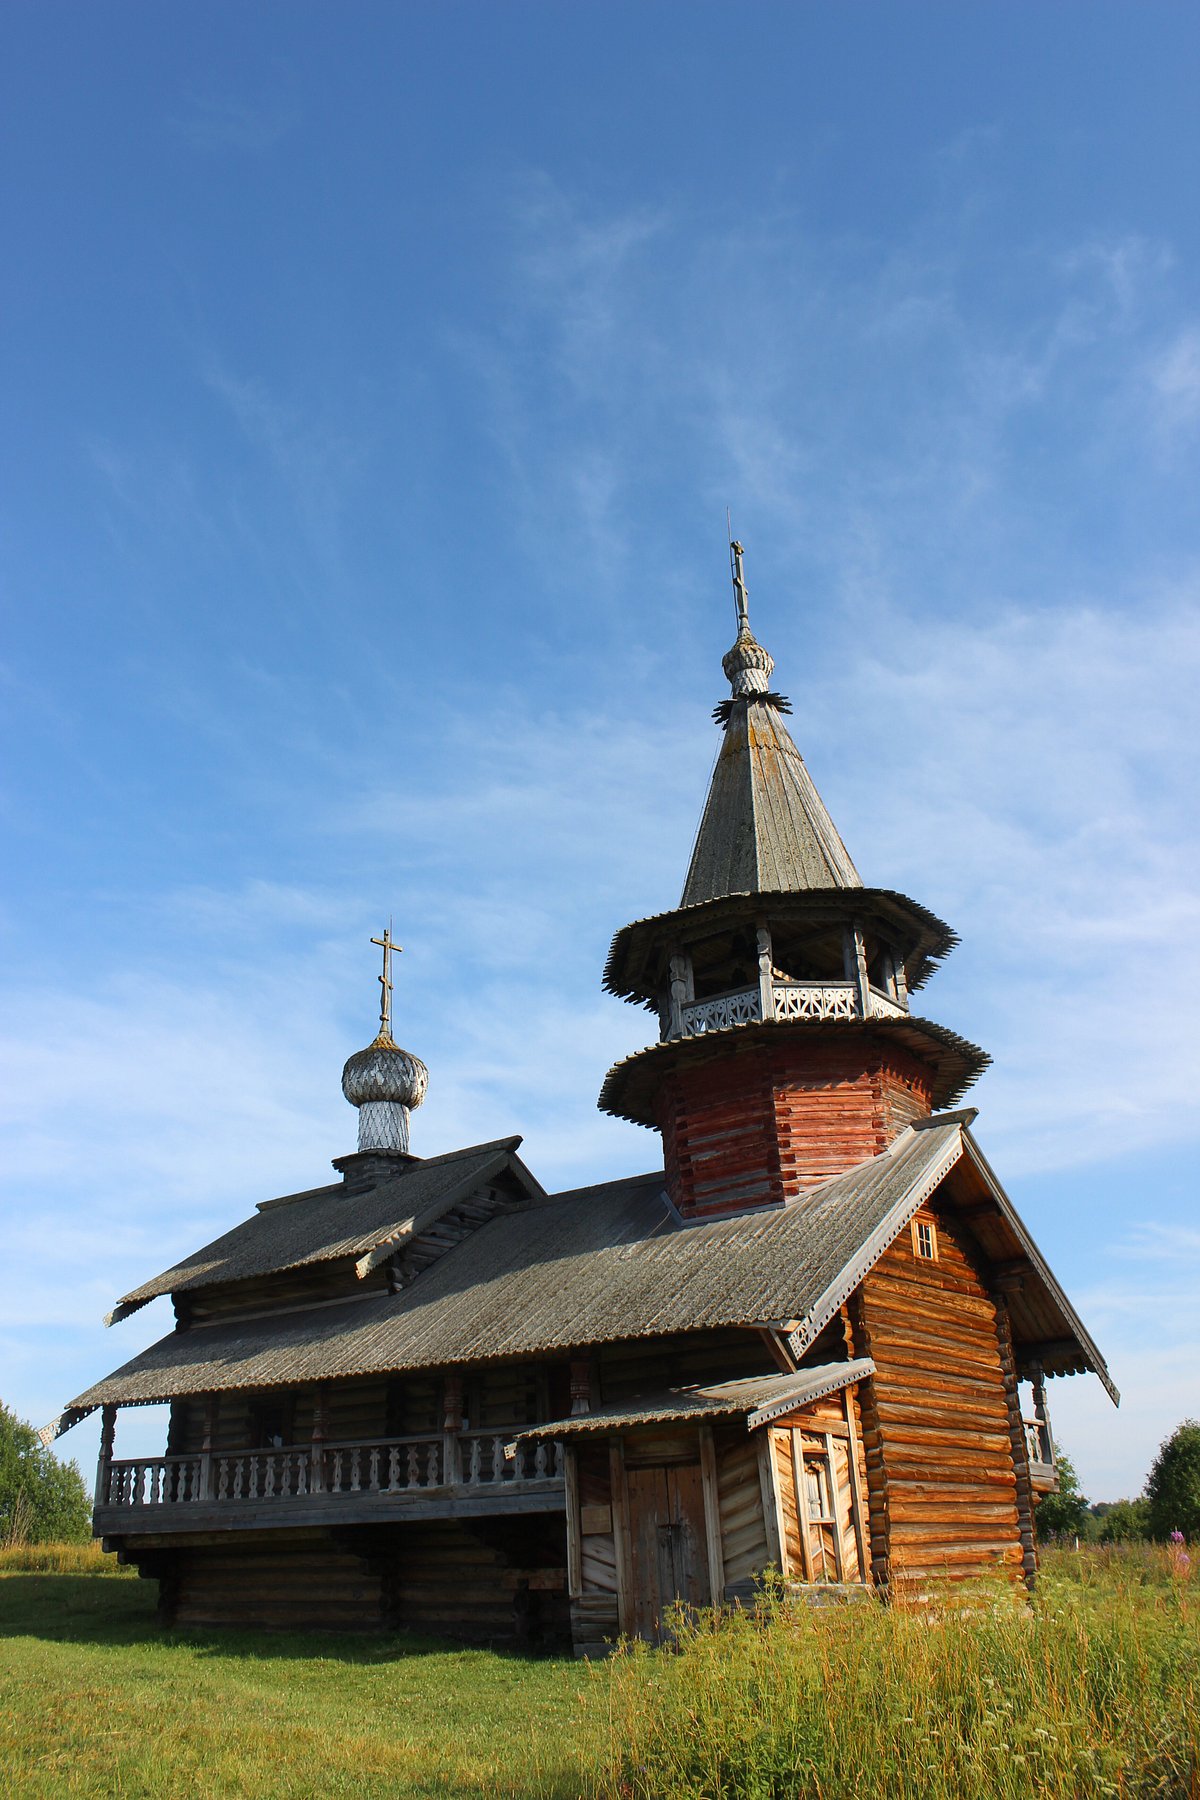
[{"x": 667, "y": 1543}]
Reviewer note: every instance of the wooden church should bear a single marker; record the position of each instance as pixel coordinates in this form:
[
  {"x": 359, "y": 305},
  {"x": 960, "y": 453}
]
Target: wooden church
[{"x": 431, "y": 1396}]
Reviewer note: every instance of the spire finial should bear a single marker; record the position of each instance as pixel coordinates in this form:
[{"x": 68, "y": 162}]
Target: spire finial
[
  {"x": 387, "y": 945},
  {"x": 384, "y": 1082},
  {"x": 748, "y": 666},
  {"x": 740, "y": 591}
]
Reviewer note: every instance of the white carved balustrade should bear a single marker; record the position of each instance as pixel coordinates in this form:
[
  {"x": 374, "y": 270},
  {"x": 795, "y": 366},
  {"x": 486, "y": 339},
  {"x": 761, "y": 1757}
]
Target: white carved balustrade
[
  {"x": 790, "y": 1000},
  {"x": 398, "y": 1465}
]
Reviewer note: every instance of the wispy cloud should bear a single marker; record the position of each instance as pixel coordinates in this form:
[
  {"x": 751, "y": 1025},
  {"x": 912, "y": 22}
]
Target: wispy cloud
[{"x": 216, "y": 123}]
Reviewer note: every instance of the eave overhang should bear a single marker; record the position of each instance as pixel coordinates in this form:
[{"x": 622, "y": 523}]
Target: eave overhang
[
  {"x": 631, "y": 1086},
  {"x": 637, "y": 958}
]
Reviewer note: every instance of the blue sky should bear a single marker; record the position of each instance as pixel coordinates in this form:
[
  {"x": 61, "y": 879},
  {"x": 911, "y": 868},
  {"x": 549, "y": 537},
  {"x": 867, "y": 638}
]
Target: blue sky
[{"x": 376, "y": 379}]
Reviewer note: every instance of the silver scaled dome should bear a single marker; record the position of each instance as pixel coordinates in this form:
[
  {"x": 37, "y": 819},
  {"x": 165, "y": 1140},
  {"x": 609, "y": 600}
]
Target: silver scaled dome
[{"x": 384, "y": 1083}]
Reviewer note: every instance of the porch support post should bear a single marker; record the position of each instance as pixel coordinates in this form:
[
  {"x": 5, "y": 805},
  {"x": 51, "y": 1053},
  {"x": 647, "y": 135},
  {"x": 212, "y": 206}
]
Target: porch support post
[
  {"x": 108, "y": 1432},
  {"x": 681, "y": 992},
  {"x": 1042, "y": 1414},
  {"x": 581, "y": 1385},
  {"x": 860, "y": 976},
  {"x": 206, "y": 1444},
  {"x": 316, "y": 1475},
  {"x": 766, "y": 983},
  {"x": 451, "y": 1426}
]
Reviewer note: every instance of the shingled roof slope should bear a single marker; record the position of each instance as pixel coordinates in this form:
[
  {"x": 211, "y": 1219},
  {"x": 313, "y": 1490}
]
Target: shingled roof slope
[
  {"x": 325, "y": 1223},
  {"x": 765, "y": 827},
  {"x": 756, "y": 1398},
  {"x": 593, "y": 1266},
  {"x": 583, "y": 1268}
]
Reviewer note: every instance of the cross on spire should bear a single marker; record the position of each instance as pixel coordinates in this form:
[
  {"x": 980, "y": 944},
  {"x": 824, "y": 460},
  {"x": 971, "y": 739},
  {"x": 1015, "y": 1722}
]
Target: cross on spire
[
  {"x": 740, "y": 595},
  {"x": 385, "y": 980}
]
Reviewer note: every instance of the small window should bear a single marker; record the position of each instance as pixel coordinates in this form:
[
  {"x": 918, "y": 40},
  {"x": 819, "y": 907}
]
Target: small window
[{"x": 925, "y": 1239}]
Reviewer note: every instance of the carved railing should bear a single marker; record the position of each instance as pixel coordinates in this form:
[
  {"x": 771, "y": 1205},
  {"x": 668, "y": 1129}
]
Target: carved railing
[
  {"x": 742, "y": 1007},
  {"x": 816, "y": 999},
  {"x": 791, "y": 1000},
  {"x": 1039, "y": 1445},
  {"x": 400, "y": 1465}
]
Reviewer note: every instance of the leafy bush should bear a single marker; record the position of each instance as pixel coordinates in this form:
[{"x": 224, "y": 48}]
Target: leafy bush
[
  {"x": 1173, "y": 1485},
  {"x": 1122, "y": 1522},
  {"x": 42, "y": 1500},
  {"x": 1065, "y": 1514}
]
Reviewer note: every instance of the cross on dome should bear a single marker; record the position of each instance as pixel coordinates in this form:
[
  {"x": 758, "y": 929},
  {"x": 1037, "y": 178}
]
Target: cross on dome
[{"x": 387, "y": 945}]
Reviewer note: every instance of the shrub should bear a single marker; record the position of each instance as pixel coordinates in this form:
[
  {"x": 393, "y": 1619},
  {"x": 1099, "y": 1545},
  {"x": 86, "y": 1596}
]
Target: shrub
[
  {"x": 1173, "y": 1485},
  {"x": 42, "y": 1500},
  {"x": 1064, "y": 1514},
  {"x": 1123, "y": 1522}
]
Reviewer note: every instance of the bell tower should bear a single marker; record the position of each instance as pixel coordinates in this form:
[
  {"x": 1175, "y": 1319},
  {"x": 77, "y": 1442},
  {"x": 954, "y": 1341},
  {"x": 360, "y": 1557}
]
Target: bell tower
[{"x": 787, "y": 1050}]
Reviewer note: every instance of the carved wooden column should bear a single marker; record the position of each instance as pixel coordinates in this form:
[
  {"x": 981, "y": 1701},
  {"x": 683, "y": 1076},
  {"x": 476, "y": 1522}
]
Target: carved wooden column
[
  {"x": 108, "y": 1432},
  {"x": 581, "y": 1385},
  {"x": 859, "y": 970},
  {"x": 682, "y": 991},
  {"x": 452, "y": 1407},
  {"x": 766, "y": 981},
  {"x": 316, "y": 1471},
  {"x": 206, "y": 1446}
]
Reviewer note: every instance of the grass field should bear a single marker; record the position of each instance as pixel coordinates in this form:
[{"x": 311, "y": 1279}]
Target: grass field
[{"x": 1097, "y": 1693}]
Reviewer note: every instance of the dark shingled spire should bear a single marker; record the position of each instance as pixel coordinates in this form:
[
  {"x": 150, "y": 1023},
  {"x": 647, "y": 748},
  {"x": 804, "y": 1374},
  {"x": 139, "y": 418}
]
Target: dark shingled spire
[{"x": 765, "y": 828}]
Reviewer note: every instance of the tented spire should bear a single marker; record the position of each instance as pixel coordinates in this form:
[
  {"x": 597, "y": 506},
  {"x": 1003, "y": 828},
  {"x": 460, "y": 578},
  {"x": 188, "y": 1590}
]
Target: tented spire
[{"x": 765, "y": 828}]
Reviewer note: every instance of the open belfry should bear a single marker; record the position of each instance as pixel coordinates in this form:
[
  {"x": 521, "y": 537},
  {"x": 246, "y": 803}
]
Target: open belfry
[{"x": 431, "y": 1396}]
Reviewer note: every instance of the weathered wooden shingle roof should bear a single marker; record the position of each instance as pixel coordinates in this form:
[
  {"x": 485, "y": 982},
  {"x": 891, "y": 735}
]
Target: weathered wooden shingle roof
[
  {"x": 756, "y": 1398},
  {"x": 325, "y": 1223},
  {"x": 597, "y": 1265},
  {"x": 765, "y": 827}
]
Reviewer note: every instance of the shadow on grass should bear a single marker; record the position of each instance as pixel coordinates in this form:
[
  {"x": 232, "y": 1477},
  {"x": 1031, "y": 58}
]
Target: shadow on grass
[{"x": 105, "y": 1610}]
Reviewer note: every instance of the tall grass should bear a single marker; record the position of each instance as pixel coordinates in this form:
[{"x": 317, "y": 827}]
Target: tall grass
[
  {"x": 59, "y": 1559},
  {"x": 1092, "y": 1691}
]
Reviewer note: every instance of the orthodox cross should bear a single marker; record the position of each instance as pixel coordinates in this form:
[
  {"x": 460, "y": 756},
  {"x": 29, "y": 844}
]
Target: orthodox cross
[
  {"x": 740, "y": 598},
  {"x": 385, "y": 980}
]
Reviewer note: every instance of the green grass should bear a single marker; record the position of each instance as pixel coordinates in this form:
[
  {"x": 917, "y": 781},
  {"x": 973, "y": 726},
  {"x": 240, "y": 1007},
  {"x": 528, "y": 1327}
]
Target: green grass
[
  {"x": 95, "y": 1699},
  {"x": 1094, "y": 1692}
]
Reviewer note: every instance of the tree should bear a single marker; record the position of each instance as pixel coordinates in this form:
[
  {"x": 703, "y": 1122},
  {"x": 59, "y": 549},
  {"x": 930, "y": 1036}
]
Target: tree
[
  {"x": 1173, "y": 1484},
  {"x": 42, "y": 1500},
  {"x": 1064, "y": 1514},
  {"x": 1122, "y": 1521}
]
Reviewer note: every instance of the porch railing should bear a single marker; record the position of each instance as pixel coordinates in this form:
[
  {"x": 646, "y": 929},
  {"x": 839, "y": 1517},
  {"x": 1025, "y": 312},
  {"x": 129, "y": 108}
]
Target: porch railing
[
  {"x": 790, "y": 1000},
  {"x": 473, "y": 1460},
  {"x": 1039, "y": 1445}
]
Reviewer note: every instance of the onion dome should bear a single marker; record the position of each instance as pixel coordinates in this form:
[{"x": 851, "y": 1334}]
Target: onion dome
[
  {"x": 748, "y": 667},
  {"x": 384, "y": 1082},
  {"x": 384, "y": 1072}
]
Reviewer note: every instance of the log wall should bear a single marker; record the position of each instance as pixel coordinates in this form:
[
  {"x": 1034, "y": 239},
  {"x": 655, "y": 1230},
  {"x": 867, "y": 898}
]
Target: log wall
[
  {"x": 760, "y": 1122},
  {"x": 936, "y": 1424}
]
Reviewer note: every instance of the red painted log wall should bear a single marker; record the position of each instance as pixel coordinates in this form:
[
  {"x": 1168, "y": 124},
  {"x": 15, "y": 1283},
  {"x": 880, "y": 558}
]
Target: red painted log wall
[{"x": 759, "y": 1123}]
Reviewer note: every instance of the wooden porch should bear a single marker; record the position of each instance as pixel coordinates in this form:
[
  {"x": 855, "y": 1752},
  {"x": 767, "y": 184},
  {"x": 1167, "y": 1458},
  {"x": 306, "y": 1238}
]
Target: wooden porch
[{"x": 451, "y": 1475}]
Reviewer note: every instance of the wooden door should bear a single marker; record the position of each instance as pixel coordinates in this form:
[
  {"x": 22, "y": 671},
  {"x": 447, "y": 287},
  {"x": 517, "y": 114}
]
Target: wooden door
[{"x": 667, "y": 1543}]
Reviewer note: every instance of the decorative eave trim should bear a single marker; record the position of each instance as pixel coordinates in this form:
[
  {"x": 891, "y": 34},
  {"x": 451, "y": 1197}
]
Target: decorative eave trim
[
  {"x": 950, "y": 1082},
  {"x": 852, "y": 1372}
]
